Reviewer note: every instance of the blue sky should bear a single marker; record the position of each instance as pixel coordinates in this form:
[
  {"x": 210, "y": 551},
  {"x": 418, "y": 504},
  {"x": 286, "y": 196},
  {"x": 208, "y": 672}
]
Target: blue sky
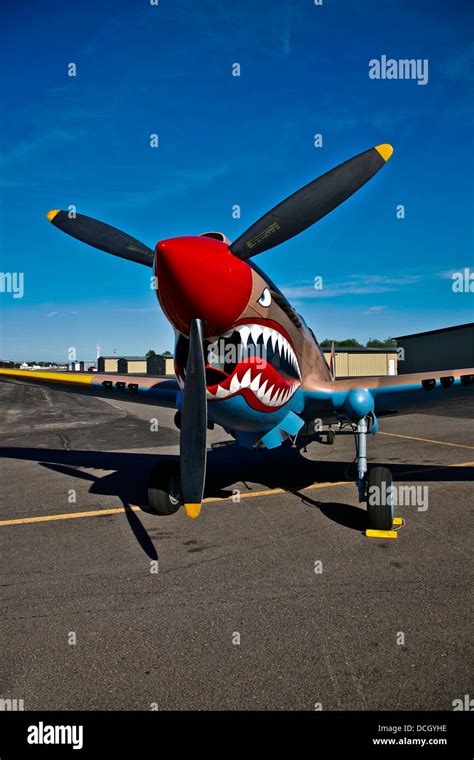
[{"x": 225, "y": 140}]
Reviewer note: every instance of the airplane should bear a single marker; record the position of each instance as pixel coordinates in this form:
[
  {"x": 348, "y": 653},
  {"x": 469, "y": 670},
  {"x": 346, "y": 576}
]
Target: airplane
[{"x": 244, "y": 358}]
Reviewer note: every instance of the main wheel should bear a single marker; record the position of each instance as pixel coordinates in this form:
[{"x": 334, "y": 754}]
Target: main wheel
[
  {"x": 330, "y": 437},
  {"x": 164, "y": 489},
  {"x": 380, "y": 498}
]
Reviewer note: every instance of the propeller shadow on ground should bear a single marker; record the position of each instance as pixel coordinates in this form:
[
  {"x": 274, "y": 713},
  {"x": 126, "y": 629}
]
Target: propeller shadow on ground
[
  {"x": 112, "y": 488},
  {"x": 125, "y": 475}
]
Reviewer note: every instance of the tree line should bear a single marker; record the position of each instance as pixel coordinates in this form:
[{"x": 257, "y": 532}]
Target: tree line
[{"x": 353, "y": 343}]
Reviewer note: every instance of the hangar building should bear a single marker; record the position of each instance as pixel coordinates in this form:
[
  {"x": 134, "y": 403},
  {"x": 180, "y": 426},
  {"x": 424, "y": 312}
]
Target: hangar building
[
  {"x": 153, "y": 365},
  {"x": 128, "y": 364},
  {"x": 360, "y": 362},
  {"x": 160, "y": 365},
  {"x": 446, "y": 348},
  {"x": 107, "y": 364}
]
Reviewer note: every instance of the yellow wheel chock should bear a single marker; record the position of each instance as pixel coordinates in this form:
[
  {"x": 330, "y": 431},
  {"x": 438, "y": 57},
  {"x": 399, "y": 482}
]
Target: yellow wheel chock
[{"x": 386, "y": 533}]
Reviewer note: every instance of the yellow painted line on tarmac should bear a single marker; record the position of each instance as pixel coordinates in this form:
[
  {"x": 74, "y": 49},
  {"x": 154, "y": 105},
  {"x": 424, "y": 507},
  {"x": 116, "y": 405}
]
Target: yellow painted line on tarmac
[
  {"x": 65, "y": 516},
  {"x": 121, "y": 510},
  {"x": 276, "y": 491},
  {"x": 428, "y": 440}
]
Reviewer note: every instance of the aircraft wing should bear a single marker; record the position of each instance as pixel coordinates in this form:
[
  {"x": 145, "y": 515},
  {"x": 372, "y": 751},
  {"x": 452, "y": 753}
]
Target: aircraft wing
[
  {"x": 359, "y": 396},
  {"x": 151, "y": 390}
]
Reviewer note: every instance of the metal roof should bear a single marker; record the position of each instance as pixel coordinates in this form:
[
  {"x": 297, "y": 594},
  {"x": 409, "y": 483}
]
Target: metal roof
[
  {"x": 363, "y": 350},
  {"x": 137, "y": 358},
  {"x": 434, "y": 332}
]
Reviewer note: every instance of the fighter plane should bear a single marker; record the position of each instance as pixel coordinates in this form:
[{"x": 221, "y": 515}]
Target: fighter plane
[{"x": 244, "y": 358}]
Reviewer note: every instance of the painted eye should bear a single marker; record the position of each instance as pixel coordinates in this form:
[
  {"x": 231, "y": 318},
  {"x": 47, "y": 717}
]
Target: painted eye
[{"x": 265, "y": 299}]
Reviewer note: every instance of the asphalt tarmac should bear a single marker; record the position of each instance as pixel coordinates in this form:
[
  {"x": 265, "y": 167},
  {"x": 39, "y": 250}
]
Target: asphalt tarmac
[{"x": 274, "y": 601}]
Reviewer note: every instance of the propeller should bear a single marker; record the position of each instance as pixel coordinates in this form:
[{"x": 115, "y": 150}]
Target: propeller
[
  {"x": 194, "y": 424},
  {"x": 102, "y": 236},
  {"x": 309, "y": 204}
]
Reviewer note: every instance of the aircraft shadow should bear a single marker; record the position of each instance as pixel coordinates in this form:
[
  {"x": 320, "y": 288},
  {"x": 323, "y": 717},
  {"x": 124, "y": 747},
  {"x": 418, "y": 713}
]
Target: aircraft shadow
[{"x": 228, "y": 464}]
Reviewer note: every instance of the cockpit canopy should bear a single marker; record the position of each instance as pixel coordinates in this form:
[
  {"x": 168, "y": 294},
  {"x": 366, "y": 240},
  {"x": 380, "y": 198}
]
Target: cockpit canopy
[{"x": 216, "y": 236}]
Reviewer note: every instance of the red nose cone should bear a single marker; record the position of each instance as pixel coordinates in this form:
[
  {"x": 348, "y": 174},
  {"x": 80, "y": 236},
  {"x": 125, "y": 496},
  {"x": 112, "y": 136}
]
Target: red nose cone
[{"x": 200, "y": 277}]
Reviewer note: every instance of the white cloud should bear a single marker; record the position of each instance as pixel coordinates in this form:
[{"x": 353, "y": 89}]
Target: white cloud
[
  {"x": 373, "y": 309},
  {"x": 359, "y": 284},
  {"x": 447, "y": 274}
]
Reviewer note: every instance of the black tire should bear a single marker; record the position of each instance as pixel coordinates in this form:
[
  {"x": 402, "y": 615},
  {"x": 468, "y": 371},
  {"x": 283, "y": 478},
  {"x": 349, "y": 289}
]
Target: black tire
[
  {"x": 380, "y": 498},
  {"x": 177, "y": 419},
  {"x": 164, "y": 489},
  {"x": 330, "y": 437}
]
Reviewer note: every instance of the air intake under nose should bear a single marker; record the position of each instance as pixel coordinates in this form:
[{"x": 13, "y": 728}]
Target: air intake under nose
[{"x": 199, "y": 278}]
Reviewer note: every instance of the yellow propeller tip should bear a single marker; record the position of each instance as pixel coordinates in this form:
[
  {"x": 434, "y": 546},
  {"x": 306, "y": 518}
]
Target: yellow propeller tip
[
  {"x": 51, "y": 214},
  {"x": 385, "y": 151},
  {"x": 192, "y": 510}
]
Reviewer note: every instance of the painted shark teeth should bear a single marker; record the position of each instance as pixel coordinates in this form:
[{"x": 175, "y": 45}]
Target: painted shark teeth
[
  {"x": 234, "y": 384},
  {"x": 255, "y": 384},
  {"x": 277, "y": 340},
  {"x": 262, "y": 390},
  {"x": 266, "y": 335},
  {"x": 273, "y": 395},
  {"x": 267, "y": 397},
  {"x": 256, "y": 331},
  {"x": 246, "y": 380},
  {"x": 270, "y": 396},
  {"x": 244, "y": 332}
]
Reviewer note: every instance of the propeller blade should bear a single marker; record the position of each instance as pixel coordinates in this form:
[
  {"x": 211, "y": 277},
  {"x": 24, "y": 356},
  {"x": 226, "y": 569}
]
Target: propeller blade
[
  {"x": 102, "y": 236},
  {"x": 194, "y": 424},
  {"x": 311, "y": 203}
]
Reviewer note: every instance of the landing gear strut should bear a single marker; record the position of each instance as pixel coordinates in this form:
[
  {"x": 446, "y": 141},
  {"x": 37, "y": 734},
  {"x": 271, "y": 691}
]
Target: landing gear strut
[
  {"x": 375, "y": 487},
  {"x": 361, "y": 457}
]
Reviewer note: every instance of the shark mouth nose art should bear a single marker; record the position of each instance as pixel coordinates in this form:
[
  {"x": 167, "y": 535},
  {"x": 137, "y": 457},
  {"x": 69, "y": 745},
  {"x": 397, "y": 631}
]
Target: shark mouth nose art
[{"x": 255, "y": 360}]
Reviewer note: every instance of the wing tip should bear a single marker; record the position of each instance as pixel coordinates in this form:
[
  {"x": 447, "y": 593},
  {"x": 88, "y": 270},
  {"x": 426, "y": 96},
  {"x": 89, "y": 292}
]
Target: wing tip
[
  {"x": 385, "y": 151},
  {"x": 51, "y": 214}
]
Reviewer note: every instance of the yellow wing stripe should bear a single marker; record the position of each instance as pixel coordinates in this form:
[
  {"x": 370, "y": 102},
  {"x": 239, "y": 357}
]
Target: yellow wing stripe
[{"x": 51, "y": 377}]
